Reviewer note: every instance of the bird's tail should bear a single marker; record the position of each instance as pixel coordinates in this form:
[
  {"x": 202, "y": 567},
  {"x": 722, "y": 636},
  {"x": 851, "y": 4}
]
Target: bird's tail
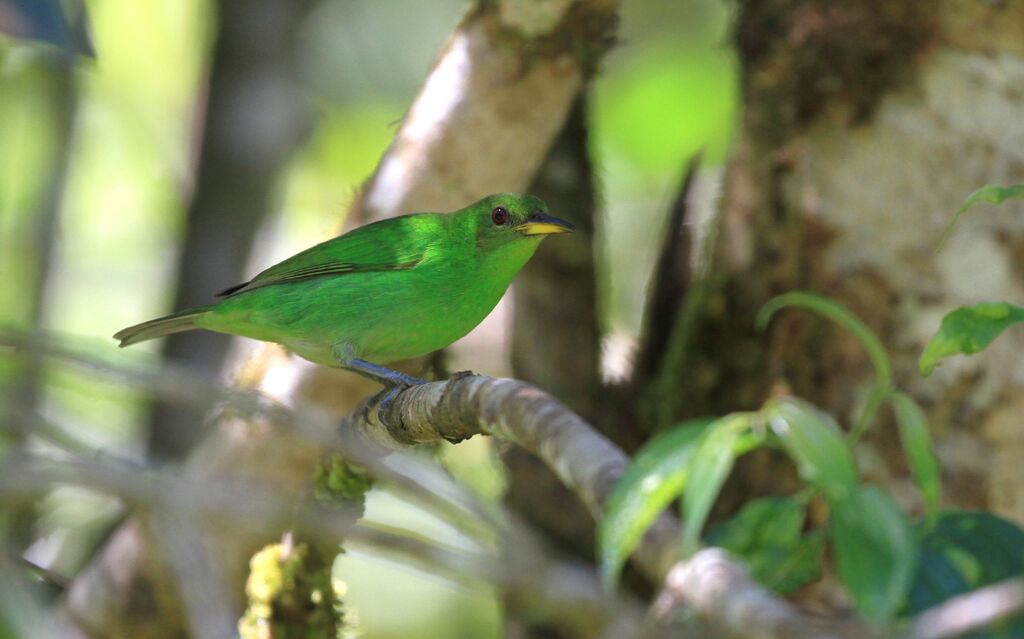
[{"x": 173, "y": 323}]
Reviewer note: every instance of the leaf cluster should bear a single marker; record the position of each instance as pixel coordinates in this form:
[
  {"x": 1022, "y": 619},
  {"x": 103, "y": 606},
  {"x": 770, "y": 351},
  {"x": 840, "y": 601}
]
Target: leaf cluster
[{"x": 890, "y": 566}]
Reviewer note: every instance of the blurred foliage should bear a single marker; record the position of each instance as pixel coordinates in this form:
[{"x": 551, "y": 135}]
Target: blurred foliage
[
  {"x": 962, "y": 551},
  {"x": 888, "y": 566},
  {"x": 990, "y": 193},
  {"x": 669, "y": 91},
  {"x": 968, "y": 330},
  {"x": 768, "y": 533},
  {"x": 656, "y": 477}
]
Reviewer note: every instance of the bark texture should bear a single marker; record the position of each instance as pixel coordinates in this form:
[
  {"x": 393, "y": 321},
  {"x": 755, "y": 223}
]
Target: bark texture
[{"x": 866, "y": 125}]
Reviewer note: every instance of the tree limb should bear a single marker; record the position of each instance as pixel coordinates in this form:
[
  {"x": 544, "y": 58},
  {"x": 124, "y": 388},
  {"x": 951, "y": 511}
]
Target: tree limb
[
  {"x": 717, "y": 587},
  {"x": 971, "y": 611},
  {"x": 722, "y": 591}
]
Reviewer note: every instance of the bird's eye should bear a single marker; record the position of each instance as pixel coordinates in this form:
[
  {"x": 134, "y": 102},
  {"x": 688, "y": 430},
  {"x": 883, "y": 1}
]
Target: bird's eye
[{"x": 499, "y": 215}]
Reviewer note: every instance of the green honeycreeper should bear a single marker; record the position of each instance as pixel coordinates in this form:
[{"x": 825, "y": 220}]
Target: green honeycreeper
[{"x": 395, "y": 289}]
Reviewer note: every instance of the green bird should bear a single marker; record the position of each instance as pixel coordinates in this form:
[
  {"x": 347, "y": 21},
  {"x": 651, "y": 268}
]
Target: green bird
[{"x": 391, "y": 290}]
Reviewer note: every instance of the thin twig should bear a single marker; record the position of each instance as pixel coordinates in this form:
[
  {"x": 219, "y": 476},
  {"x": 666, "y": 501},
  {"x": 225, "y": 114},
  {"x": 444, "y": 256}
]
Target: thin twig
[
  {"x": 200, "y": 576},
  {"x": 564, "y": 592}
]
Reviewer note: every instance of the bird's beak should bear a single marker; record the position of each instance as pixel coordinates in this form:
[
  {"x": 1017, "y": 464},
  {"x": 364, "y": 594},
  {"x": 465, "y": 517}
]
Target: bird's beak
[{"x": 544, "y": 224}]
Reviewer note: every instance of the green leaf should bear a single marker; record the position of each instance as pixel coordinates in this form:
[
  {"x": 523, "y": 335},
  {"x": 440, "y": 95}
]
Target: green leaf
[
  {"x": 968, "y": 330},
  {"x": 815, "y": 443},
  {"x": 994, "y": 546},
  {"x": 962, "y": 551},
  {"x": 767, "y": 535},
  {"x": 917, "y": 445},
  {"x": 990, "y": 193},
  {"x": 708, "y": 470},
  {"x": 875, "y": 551},
  {"x": 656, "y": 476}
]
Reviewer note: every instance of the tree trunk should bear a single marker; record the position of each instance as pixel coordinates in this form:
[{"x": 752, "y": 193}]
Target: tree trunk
[
  {"x": 254, "y": 119},
  {"x": 866, "y": 125}
]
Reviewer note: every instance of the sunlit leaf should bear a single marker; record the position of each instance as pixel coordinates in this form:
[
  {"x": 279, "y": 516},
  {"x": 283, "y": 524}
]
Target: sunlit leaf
[
  {"x": 968, "y": 330},
  {"x": 767, "y": 535},
  {"x": 917, "y": 445},
  {"x": 815, "y": 443},
  {"x": 875, "y": 551},
  {"x": 963, "y": 551},
  {"x": 708, "y": 470},
  {"x": 991, "y": 193},
  {"x": 656, "y": 476}
]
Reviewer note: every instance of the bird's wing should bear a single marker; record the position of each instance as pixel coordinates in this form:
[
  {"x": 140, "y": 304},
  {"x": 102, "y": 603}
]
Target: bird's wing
[{"x": 393, "y": 244}]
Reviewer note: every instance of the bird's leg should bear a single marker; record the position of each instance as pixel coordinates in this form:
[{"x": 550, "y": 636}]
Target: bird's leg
[
  {"x": 381, "y": 374},
  {"x": 394, "y": 382},
  {"x": 345, "y": 355}
]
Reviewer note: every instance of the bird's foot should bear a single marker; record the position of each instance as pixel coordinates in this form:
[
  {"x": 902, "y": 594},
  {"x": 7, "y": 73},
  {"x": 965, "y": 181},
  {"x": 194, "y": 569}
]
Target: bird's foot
[
  {"x": 385, "y": 398},
  {"x": 383, "y": 375}
]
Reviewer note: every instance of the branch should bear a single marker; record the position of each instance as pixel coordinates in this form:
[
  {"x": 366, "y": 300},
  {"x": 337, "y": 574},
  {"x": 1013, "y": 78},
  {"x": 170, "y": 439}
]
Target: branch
[
  {"x": 494, "y": 101},
  {"x": 564, "y": 592},
  {"x": 971, "y": 611},
  {"x": 722, "y": 591},
  {"x": 466, "y": 405},
  {"x": 711, "y": 583}
]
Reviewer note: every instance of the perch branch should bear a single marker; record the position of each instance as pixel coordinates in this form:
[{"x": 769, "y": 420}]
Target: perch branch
[
  {"x": 711, "y": 583},
  {"x": 466, "y": 405}
]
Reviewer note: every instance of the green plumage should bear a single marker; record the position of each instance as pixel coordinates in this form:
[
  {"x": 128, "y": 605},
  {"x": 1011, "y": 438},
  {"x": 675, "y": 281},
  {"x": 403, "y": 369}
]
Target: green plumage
[{"x": 391, "y": 290}]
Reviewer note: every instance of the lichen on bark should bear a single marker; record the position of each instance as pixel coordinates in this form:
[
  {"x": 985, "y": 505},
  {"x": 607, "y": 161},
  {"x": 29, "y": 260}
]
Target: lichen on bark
[{"x": 292, "y": 594}]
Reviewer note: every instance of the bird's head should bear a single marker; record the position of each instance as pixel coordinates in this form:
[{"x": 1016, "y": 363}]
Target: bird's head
[{"x": 509, "y": 218}]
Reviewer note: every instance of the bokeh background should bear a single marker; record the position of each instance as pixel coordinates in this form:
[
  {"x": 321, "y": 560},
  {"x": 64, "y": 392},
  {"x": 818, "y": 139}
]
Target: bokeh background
[{"x": 98, "y": 167}]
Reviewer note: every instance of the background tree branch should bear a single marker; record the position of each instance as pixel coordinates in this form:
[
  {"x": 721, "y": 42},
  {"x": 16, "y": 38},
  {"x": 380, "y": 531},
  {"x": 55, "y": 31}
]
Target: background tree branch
[{"x": 252, "y": 120}]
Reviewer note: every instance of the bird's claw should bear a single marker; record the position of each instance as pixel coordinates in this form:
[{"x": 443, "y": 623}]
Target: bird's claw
[{"x": 386, "y": 398}]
